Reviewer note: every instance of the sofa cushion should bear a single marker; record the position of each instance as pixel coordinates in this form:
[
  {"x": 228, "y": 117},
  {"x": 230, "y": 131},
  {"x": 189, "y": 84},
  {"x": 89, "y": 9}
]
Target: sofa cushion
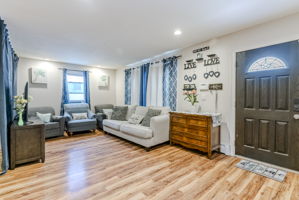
[
  {"x": 136, "y": 130},
  {"x": 51, "y": 125},
  {"x": 114, "y": 124},
  {"x": 164, "y": 110},
  {"x": 147, "y": 119},
  {"x": 81, "y": 122},
  {"x": 141, "y": 110},
  {"x": 119, "y": 113}
]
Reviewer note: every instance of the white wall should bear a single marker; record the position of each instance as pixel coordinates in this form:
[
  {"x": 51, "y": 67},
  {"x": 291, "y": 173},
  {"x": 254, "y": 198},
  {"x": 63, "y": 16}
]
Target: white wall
[
  {"x": 225, "y": 47},
  {"x": 120, "y": 89},
  {"x": 283, "y": 30},
  {"x": 52, "y": 93}
]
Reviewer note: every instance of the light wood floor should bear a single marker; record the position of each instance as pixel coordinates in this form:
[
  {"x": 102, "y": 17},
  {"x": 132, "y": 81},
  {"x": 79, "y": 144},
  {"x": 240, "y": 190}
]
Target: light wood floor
[{"x": 98, "y": 166}]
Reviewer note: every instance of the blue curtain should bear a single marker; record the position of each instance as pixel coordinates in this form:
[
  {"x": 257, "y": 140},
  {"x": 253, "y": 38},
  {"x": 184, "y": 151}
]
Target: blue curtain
[
  {"x": 65, "y": 93},
  {"x": 143, "y": 83},
  {"x": 128, "y": 84},
  {"x": 87, "y": 90},
  {"x": 8, "y": 72},
  {"x": 170, "y": 82}
]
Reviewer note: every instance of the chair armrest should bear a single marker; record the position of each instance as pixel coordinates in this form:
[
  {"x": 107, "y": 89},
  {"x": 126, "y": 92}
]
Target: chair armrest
[
  {"x": 91, "y": 115},
  {"x": 160, "y": 127},
  {"x": 61, "y": 121},
  {"x": 67, "y": 117},
  {"x": 56, "y": 118}
]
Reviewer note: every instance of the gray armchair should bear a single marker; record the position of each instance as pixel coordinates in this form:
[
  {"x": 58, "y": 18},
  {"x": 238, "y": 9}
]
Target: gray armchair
[
  {"x": 82, "y": 124},
  {"x": 55, "y": 127},
  {"x": 100, "y": 114}
]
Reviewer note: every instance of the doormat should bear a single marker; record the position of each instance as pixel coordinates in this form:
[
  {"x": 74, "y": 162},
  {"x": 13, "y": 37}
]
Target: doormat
[{"x": 263, "y": 170}]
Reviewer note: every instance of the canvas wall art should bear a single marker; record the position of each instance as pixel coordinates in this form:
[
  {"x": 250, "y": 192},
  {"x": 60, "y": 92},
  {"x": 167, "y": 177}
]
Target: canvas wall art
[
  {"x": 39, "y": 75},
  {"x": 104, "y": 81}
]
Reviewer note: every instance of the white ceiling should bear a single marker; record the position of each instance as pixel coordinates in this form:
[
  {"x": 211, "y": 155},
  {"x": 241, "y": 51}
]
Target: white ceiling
[{"x": 119, "y": 32}]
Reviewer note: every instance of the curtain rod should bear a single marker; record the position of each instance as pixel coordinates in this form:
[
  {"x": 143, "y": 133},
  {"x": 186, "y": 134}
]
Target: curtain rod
[
  {"x": 62, "y": 68},
  {"x": 179, "y": 56}
]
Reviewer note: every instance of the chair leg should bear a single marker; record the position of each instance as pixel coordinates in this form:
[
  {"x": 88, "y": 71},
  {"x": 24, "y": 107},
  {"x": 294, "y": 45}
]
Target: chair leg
[{"x": 69, "y": 133}]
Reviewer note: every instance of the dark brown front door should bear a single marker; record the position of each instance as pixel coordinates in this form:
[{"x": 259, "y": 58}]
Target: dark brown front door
[{"x": 267, "y": 101}]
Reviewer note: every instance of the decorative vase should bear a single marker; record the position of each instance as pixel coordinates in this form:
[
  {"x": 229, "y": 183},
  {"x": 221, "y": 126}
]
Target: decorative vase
[{"x": 20, "y": 122}]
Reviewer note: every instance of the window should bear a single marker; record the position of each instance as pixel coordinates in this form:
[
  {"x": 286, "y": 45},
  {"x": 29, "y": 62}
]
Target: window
[
  {"x": 76, "y": 87},
  {"x": 267, "y": 63}
]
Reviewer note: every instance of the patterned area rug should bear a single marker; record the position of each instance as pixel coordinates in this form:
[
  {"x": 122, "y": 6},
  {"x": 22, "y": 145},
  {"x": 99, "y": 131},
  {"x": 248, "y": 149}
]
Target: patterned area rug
[{"x": 269, "y": 172}]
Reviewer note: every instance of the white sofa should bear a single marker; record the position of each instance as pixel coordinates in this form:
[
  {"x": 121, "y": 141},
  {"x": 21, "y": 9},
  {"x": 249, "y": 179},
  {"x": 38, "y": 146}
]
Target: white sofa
[{"x": 157, "y": 133}]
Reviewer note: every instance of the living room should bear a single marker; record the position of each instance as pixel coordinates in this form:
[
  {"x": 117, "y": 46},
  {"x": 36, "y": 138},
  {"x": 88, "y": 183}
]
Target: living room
[{"x": 198, "y": 101}]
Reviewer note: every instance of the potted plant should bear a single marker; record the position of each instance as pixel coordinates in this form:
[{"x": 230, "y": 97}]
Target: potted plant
[{"x": 20, "y": 104}]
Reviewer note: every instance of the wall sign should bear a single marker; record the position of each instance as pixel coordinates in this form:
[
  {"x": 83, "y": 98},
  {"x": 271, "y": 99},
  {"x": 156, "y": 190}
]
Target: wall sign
[
  {"x": 199, "y": 57},
  {"x": 216, "y": 86},
  {"x": 212, "y": 61},
  {"x": 189, "y": 87},
  {"x": 201, "y": 49},
  {"x": 211, "y": 74},
  {"x": 190, "y": 78},
  {"x": 190, "y": 64}
]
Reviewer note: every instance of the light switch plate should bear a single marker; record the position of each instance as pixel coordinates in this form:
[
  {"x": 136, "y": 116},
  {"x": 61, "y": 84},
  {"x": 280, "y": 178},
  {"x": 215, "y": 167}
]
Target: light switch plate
[{"x": 203, "y": 87}]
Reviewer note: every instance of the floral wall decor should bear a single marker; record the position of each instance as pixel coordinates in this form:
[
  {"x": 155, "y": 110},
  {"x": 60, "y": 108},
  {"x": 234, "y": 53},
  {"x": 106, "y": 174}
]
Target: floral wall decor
[{"x": 190, "y": 93}]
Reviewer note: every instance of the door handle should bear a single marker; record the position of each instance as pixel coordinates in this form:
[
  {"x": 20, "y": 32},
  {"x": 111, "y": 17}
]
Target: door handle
[{"x": 296, "y": 116}]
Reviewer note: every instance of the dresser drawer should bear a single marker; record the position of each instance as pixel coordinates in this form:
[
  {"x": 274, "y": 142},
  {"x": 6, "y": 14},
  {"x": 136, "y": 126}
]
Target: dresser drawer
[
  {"x": 179, "y": 119},
  {"x": 197, "y": 122},
  {"x": 200, "y": 131},
  {"x": 178, "y": 128},
  {"x": 190, "y": 141},
  {"x": 191, "y": 136}
]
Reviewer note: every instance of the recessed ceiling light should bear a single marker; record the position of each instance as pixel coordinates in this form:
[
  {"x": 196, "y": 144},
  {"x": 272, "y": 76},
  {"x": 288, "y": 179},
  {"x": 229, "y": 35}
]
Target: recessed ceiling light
[{"x": 177, "y": 32}]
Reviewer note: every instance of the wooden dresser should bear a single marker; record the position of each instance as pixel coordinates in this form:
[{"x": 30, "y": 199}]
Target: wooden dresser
[{"x": 194, "y": 131}]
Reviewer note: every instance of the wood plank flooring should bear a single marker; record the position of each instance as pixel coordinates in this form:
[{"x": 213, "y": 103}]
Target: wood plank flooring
[{"x": 99, "y": 166}]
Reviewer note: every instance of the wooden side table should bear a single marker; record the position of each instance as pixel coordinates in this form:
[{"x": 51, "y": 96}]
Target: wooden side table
[{"x": 27, "y": 143}]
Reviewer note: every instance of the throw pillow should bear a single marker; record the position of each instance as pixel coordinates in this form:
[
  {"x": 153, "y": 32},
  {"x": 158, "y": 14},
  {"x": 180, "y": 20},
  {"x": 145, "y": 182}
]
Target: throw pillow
[
  {"x": 79, "y": 116},
  {"x": 136, "y": 119},
  {"x": 119, "y": 113},
  {"x": 108, "y": 113},
  {"x": 44, "y": 117},
  {"x": 141, "y": 110},
  {"x": 150, "y": 113},
  {"x": 131, "y": 111}
]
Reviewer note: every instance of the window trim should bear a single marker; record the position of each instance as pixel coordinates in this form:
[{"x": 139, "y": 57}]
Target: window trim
[{"x": 75, "y": 73}]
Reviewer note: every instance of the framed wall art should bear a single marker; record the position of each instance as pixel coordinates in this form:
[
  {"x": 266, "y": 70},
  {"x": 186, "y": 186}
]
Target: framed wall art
[{"x": 39, "y": 75}]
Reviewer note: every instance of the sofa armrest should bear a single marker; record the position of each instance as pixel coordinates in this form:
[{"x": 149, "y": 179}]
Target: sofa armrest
[
  {"x": 160, "y": 127},
  {"x": 61, "y": 121},
  {"x": 91, "y": 115},
  {"x": 101, "y": 116},
  {"x": 67, "y": 117}
]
